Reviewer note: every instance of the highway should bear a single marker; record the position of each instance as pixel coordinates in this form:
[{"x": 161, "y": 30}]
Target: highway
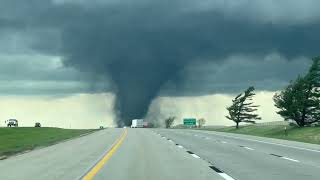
[
  {"x": 143, "y": 155},
  {"x": 67, "y": 160},
  {"x": 246, "y": 157},
  {"x": 161, "y": 154}
]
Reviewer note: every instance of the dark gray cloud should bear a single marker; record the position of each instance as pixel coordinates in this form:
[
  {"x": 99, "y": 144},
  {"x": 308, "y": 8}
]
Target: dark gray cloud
[
  {"x": 235, "y": 73},
  {"x": 44, "y": 75},
  {"x": 143, "y": 45}
]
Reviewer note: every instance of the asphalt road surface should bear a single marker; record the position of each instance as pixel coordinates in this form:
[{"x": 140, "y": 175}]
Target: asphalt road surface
[
  {"x": 246, "y": 157},
  {"x": 143, "y": 155},
  {"x": 159, "y": 154}
]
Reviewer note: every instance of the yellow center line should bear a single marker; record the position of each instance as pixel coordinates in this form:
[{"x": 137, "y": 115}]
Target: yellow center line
[{"x": 94, "y": 170}]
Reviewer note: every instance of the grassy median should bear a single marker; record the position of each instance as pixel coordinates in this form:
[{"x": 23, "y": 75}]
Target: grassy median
[
  {"x": 15, "y": 140},
  {"x": 306, "y": 134}
]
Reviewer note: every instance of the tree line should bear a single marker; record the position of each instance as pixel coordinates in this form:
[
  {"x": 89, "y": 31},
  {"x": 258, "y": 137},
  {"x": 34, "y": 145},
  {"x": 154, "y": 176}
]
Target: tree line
[{"x": 299, "y": 101}]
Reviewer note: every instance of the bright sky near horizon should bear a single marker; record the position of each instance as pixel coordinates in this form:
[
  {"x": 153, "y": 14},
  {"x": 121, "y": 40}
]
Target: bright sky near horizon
[{"x": 82, "y": 111}]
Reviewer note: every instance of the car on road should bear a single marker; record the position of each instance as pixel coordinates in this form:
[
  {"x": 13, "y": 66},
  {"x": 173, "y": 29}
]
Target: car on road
[
  {"x": 37, "y": 124},
  {"x": 12, "y": 123},
  {"x": 148, "y": 125}
]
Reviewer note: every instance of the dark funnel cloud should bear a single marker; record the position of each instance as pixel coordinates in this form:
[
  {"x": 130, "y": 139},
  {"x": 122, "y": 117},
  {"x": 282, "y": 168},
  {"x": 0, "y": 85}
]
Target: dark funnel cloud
[
  {"x": 138, "y": 52},
  {"x": 142, "y": 48},
  {"x": 141, "y": 45}
]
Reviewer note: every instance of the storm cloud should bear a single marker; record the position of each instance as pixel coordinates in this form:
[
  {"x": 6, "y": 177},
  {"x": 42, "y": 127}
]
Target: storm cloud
[{"x": 142, "y": 46}]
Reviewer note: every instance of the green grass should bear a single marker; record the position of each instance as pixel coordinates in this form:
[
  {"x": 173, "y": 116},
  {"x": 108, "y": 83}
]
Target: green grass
[
  {"x": 15, "y": 140},
  {"x": 306, "y": 134}
]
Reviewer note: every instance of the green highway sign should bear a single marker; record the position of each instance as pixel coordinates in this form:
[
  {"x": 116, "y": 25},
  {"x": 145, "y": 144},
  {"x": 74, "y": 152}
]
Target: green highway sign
[{"x": 189, "y": 121}]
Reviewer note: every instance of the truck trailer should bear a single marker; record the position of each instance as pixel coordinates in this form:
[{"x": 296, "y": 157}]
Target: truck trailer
[{"x": 137, "y": 123}]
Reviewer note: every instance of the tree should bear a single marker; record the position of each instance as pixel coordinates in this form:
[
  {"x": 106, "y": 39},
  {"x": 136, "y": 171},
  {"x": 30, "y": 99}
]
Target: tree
[
  {"x": 169, "y": 121},
  {"x": 300, "y": 100},
  {"x": 242, "y": 108},
  {"x": 201, "y": 122}
]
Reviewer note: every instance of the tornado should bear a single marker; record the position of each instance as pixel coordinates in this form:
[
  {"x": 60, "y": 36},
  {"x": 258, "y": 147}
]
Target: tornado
[{"x": 142, "y": 46}]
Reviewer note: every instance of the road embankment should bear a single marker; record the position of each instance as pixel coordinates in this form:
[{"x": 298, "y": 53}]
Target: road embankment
[
  {"x": 18, "y": 140},
  {"x": 305, "y": 134}
]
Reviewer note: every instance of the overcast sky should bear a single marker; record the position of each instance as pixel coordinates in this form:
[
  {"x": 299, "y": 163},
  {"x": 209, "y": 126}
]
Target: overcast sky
[{"x": 139, "y": 50}]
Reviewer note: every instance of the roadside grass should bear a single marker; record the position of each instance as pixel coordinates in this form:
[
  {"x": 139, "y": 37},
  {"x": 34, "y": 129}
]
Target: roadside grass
[
  {"x": 16, "y": 140},
  {"x": 305, "y": 134}
]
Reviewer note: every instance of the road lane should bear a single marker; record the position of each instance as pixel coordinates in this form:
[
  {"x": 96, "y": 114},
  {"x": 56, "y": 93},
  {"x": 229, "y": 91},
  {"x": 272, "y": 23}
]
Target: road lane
[
  {"x": 246, "y": 159},
  {"x": 104, "y": 159},
  {"x": 68, "y": 160},
  {"x": 145, "y": 155},
  {"x": 305, "y": 153}
]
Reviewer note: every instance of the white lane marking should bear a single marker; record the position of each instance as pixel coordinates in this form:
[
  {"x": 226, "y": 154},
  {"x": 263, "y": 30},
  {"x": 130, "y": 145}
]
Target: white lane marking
[
  {"x": 170, "y": 140},
  {"x": 196, "y": 135},
  {"x": 180, "y": 146},
  {"x": 294, "y": 160},
  {"x": 249, "y": 148},
  {"x": 207, "y": 138},
  {"x": 164, "y": 137},
  {"x": 306, "y": 149},
  {"x": 195, "y": 156},
  {"x": 226, "y": 176},
  {"x": 224, "y": 142}
]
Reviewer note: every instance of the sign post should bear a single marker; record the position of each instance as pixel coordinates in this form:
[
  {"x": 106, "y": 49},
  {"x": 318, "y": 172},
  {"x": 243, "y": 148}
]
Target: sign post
[{"x": 190, "y": 122}]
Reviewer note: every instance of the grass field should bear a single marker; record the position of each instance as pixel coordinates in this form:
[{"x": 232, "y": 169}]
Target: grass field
[
  {"x": 306, "y": 134},
  {"x": 15, "y": 140}
]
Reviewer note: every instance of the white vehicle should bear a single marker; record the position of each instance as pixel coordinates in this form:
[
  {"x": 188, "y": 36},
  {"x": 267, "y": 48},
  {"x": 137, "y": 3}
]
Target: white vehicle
[
  {"x": 12, "y": 122},
  {"x": 137, "y": 123}
]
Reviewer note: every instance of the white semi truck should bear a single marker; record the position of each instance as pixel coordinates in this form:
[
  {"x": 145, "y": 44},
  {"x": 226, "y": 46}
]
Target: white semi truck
[{"x": 137, "y": 123}]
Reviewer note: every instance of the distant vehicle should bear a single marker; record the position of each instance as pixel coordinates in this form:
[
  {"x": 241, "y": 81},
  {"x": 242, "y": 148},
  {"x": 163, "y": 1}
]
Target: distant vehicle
[
  {"x": 37, "y": 124},
  {"x": 145, "y": 124},
  {"x": 101, "y": 127},
  {"x": 137, "y": 123},
  {"x": 12, "y": 123},
  {"x": 148, "y": 125}
]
